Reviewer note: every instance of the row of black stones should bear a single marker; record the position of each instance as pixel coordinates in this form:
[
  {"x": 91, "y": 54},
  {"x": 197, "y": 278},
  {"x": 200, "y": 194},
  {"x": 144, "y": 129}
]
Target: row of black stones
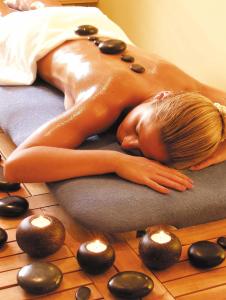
[{"x": 111, "y": 46}]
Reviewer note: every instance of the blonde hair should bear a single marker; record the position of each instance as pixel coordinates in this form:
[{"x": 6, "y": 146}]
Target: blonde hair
[{"x": 191, "y": 127}]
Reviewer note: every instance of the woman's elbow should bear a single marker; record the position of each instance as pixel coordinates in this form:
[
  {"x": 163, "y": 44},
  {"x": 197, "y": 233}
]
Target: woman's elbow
[{"x": 10, "y": 171}]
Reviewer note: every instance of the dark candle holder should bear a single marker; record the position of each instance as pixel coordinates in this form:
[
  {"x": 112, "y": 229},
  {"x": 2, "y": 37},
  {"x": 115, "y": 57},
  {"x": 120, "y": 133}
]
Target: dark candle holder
[
  {"x": 40, "y": 236},
  {"x": 95, "y": 257},
  {"x": 159, "y": 249}
]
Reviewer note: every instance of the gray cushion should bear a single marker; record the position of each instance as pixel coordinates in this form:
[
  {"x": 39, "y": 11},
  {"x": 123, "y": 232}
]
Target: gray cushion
[{"x": 109, "y": 203}]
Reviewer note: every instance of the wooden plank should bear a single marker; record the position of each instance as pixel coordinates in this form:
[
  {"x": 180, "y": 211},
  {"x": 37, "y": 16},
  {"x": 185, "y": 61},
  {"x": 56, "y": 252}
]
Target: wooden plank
[
  {"x": 126, "y": 259},
  {"x": 20, "y": 260},
  {"x": 11, "y": 248},
  {"x": 3, "y": 195},
  {"x": 218, "y": 292},
  {"x": 70, "y": 294},
  {"x": 206, "y": 231},
  {"x": 70, "y": 280},
  {"x": 40, "y": 201},
  {"x": 66, "y": 265},
  {"x": 8, "y": 223},
  {"x": 101, "y": 282},
  {"x": 183, "y": 268},
  {"x": 37, "y": 188},
  {"x": 197, "y": 282},
  {"x": 11, "y": 234},
  {"x": 22, "y": 192}
]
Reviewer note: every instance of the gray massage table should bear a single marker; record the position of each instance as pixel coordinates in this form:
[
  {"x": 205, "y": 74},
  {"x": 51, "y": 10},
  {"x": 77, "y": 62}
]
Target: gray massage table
[{"x": 109, "y": 203}]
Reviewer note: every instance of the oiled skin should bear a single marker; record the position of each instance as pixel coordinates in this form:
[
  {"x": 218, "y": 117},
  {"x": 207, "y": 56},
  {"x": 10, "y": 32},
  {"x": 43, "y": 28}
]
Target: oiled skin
[
  {"x": 109, "y": 76},
  {"x": 97, "y": 88}
]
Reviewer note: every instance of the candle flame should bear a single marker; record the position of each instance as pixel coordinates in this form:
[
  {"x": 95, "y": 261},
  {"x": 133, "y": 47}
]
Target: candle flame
[
  {"x": 161, "y": 237},
  {"x": 40, "y": 222},
  {"x": 96, "y": 246}
]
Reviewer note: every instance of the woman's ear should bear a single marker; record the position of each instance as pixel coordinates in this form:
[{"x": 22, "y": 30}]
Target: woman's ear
[{"x": 130, "y": 142}]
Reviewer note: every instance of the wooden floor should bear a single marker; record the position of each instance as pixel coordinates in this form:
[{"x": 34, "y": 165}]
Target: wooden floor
[{"x": 181, "y": 282}]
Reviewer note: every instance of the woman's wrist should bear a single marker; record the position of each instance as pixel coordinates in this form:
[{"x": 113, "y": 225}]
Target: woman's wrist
[{"x": 119, "y": 161}]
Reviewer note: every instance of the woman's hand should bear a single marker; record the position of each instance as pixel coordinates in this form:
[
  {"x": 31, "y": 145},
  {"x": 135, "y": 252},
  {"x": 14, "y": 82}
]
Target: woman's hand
[
  {"x": 152, "y": 174},
  {"x": 30, "y": 4},
  {"x": 218, "y": 156},
  {"x": 19, "y": 4}
]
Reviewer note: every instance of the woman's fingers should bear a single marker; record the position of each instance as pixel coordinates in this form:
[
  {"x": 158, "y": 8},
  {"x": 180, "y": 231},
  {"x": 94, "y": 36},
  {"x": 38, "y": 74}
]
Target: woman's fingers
[
  {"x": 202, "y": 165},
  {"x": 157, "y": 187},
  {"x": 173, "y": 171},
  {"x": 178, "y": 179},
  {"x": 170, "y": 183}
]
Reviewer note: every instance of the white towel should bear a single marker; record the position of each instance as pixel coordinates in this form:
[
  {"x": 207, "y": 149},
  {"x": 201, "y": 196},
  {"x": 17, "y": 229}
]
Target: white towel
[{"x": 26, "y": 37}]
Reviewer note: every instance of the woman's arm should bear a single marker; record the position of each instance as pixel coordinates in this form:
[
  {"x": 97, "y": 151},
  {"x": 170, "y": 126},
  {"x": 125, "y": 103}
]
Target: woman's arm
[
  {"x": 30, "y": 4},
  {"x": 47, "y": 155}
]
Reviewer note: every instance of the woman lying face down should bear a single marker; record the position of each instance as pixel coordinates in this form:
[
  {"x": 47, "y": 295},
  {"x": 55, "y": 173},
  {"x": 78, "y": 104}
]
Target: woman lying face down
[
  {"x": 180, "y": 129},
  {"x": 170, "y": 122}
]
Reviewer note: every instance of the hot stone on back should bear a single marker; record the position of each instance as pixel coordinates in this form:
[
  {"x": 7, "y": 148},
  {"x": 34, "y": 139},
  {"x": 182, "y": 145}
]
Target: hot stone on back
[
  {"x": 112, "y": 46},
  {"x": 86, "y": 30}
]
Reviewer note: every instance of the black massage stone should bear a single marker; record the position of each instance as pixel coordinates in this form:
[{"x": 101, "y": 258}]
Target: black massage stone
[
  {"x": 127, "y": 58},
  {"x": 86, "y": 30},
  {"x": 9, "y": 187},
  {"x": 3, "y": 237},
  {"x": 112, "y": 46},
  {"x": 130, "y": 285},
  {"x": 222, "y": 241},
  {"x": 13, "y": 206},
  {"x": 205, "y": 254},
  {"x": 137, "y": 68},
  {"x": 97, "y": 42},
  {"x": 39, "y": 277},
  {"x": 93, "y": 38},
  {"x": 83, "y": 293}
]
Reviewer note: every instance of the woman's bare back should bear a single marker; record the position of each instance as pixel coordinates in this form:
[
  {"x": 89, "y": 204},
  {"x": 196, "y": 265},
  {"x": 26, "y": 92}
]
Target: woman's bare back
[{"x": 82, "y": 72}]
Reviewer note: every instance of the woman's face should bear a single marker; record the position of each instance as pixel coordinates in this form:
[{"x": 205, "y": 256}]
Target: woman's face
[{"x": 139, "y": 132}]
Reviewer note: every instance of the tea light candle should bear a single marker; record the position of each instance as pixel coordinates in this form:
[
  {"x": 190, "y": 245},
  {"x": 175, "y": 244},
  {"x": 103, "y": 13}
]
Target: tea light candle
[
  {"x": 40, "y": 222},
  {"x": 40, "y": 236},
  {"x": 161, "y": 237},
  {"x": 159, "y": 249},
  {"x": 95, "y": 257}
]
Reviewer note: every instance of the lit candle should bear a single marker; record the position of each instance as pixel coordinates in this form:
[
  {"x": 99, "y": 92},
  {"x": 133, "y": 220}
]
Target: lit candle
[
  {"x": 161, "y": 237},
  {"x": 96, "y": 246},
  {"x": 95, "y": 257},
  {"x": 40, "y": 236},
  {"x": 159, "y": 249},
  {"x": 40, "y": 222}
]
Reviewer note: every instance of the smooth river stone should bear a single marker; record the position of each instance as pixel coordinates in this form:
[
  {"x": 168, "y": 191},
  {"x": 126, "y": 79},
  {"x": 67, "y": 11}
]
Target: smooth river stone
[
  {"x": 137, "y": 68},
  {"x": 205, "y": 254},
  {"x": 130, "y": 285},
  {"x": 9, "y": 187},
  {"x": 112, "y": 46},
  {"x": 93, "y": 38},
  {"x": 86, "y": 30},
  {"x": 222, "y": 241},
  {"x": 13, "y": 206},
  {"x": 39, "y": 277},
  {"x": 3, "y": 237},
  {"x": 83, "y": 293},
  {"x": 127, "y": 58}
]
